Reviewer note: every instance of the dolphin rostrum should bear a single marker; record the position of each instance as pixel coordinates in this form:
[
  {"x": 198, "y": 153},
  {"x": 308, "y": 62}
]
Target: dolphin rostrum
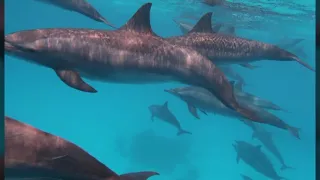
[
  {"x": 131, "y": 54},
  {"x": 265, "y": 138},
  {"x": 226, "y": 49},
  {"x": 202, "y": 99},
  {"x": 162, "y": 112},
  {"x": 35, "y": 154},
  {"x": 80, "y": 6},
  {"x": 254, "y": 157}
]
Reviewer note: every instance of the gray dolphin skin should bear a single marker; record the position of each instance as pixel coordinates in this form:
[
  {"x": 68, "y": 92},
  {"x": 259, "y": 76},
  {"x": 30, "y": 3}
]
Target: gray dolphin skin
[
  {"x": 254, "y": 157},
  {"x": 226, "y": 49},
  {"x": 162, "y": 112},
  {"x": 131, "y": 54},
  {"x": 186, "y": 27},
  {"x": 265, "y": 138},
  {"x": 202, "y": 99},
  {"x": 35, "y": 154},
  {"x": 253, "y": 99},
  {"x": 244, "y": 177},
  {"x": 80, "y": 6}
]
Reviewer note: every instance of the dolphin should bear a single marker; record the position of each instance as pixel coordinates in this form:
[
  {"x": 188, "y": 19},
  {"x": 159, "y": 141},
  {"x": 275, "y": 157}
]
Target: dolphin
[
  {"x": 202, "y": 99},
  {"x": 79, "y": 6},
  {"x": 245, "y": 177},
  {"x": 213, "y": 2},
  {"x": 186, "y": 27},
  {"x": 254, "y": 157},
  {"x": 162, "y": 112},
  {"x": 265, "y": 138},
  {"x": 253, "y": 99},
  {"x": 131, "y": 54},
  {"x": 32, "y": 153},
  {"x": 226, "y": 49}
]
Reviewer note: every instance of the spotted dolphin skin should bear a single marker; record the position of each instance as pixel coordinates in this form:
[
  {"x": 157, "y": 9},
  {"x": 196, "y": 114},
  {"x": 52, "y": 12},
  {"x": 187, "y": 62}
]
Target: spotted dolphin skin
[
  {"x": 256, "y": 158},
  {"x": 266, "y": 139},
  {"x": 80, "y": 6},
  {"x": 131, "y": 54},
  {"x": 35, "y": 154},
  {"x": 162, "y": 112},
  {"x": 198, "y": 98},
  {"x": 225, "y": 49}
]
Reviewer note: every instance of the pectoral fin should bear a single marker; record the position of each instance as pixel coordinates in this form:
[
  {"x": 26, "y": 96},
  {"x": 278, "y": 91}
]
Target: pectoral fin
[
  {"x": 193, "y": 110},
  {"x": 73, "y": 79},
  {"x": 238, "y": 159}
]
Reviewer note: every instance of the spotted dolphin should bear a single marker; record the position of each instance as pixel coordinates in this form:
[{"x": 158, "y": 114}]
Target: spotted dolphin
[
  {"x": 225, "y": 49},
  {"x": 34, "y": 154},
  {"x": 266, "y": 139},
  {"x": 80, "y": 6},
  {"x": 131, "y": 54},
  {"x": 186, "y": 27},
  {"x": 162, "y": 112},
  {"x": 198, "y": 98}
]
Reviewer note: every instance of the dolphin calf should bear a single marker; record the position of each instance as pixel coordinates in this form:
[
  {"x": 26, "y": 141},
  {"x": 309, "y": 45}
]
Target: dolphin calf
[
  {"x": 131, "y": 54},
  {"x": 80, "y": 6},
  {"x": 202, "y": 99},
  {"x": 35, "y": 154},
  {"x": 162, "y": 112},
  {"x": 225, "y": 49},
  {"x": 255, "y": 100},
  {"x": 254, "y": 157},
  {"x": 244, "y": 177},
  {"x": 265, "y": 138}
]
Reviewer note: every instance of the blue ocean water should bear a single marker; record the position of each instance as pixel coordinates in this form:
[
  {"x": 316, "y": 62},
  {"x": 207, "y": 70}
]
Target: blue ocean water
[{"x": 114, "y": 124}]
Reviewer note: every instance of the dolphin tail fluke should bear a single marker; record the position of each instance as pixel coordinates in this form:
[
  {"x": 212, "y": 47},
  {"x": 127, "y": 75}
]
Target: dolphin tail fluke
[
  {"x": 294, "y": 131},
  {"x": 143, "y": 175},
  {"x": 302, "y": 63},
  {"x": 181, "y": 131},
  {"x": 285, "y": 167}
]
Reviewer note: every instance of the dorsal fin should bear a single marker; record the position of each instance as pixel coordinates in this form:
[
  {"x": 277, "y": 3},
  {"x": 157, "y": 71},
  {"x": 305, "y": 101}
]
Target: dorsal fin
[
  {"x": 140, "y": 21},
  {"x": 204, "y": 25},
  {"x": 165, "y": 105}
]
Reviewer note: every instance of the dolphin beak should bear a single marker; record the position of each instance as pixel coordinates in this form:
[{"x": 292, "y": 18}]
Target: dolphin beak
[{"x": 169, "y": 91}]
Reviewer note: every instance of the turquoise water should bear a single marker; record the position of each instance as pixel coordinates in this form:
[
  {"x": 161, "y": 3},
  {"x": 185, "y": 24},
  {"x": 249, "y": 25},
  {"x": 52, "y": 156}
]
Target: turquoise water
[{"x": 107, "y": 123}]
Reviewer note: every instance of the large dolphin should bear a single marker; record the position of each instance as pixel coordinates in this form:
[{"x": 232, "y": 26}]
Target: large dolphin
[
  {"x": 225, "y": 49},
  {"x": 185, "y": 28},
  {"x": 265, "y": 138},
  {"x": 162, "y": 112},
  {"x": 253, "y": 99},
  {"x": 131, "y": 54},
  {"x": 254, "y": 157},
  {"x": 80, "y": 6},
  {"x": 35, "y": 154},
  {"x": 202, "y": 99}
]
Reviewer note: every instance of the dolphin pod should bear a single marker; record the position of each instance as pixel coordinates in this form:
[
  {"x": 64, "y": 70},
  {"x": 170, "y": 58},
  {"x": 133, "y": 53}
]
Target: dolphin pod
[
  {"x": 35, "y": 154},
  {"x": 225, "y": 49},
  {"x": 107, "y": 56},
  {"x": 80, "y": 6},
  {"x": 200, "y": 98}
]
